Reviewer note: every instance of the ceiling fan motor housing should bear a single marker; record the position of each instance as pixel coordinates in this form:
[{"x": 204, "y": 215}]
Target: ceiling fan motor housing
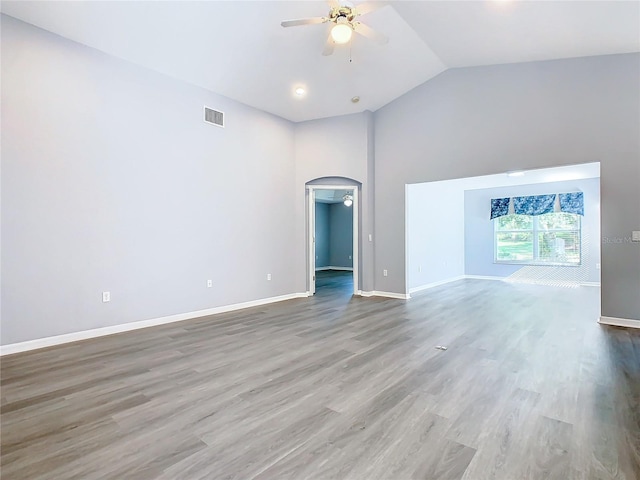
[{"x": 343, "y": 11}]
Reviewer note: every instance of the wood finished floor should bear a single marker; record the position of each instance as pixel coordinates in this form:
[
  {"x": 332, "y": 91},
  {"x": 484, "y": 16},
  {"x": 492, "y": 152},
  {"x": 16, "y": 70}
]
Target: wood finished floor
[{"x": 339, "y": 387}]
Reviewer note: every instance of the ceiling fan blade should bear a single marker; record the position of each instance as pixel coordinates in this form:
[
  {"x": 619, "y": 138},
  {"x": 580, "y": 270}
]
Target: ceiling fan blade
[
  {"x": 328, "y": 46},
  {"x": 369, "y": 7},
  {"x": 304, "y": 21},
  {"x": 370, "y": 33}
]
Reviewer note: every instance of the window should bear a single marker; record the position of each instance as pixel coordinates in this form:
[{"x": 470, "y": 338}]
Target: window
[{"x": 550, "y": 239}]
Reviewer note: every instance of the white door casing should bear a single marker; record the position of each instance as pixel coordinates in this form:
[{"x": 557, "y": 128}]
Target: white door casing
[{"x": 311, "y": 229}]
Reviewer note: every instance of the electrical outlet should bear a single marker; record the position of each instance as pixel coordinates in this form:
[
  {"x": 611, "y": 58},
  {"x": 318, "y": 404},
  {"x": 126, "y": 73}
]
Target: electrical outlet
[
  {"x": 635, "y": 236},
  {"x": 370, "y": 238},
  {"x": 349, "y": 257},
  {"x": 384, "y": 273},
  {"x": 209, "y": 283},
  {"x": 268, "y": 276},
  {"x": 419, "y": 269},
  {"x": 106, "y": 297}
]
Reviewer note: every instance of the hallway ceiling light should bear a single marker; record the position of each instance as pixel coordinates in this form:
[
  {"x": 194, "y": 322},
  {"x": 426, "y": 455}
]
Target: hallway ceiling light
[{"x": 348, "y": 200}]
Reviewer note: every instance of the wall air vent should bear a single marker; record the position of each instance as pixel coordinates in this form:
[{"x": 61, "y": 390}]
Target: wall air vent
[{"x": 214, "y": 117}]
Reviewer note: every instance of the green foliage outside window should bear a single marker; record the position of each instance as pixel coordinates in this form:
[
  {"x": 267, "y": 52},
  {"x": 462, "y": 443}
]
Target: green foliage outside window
[{"x": 553, "y": 238}]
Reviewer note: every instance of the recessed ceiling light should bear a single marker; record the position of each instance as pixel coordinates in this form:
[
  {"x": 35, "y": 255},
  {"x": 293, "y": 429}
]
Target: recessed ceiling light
[
  {"x": 502, "y": 4},
  {"x": 518, "y": 173},
  {"x": 355, "y": 99},
  {"x": 300, "y": 91}
]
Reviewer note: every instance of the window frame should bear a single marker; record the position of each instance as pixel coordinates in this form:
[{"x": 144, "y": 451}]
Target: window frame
[{"x": 535, "y": 232}]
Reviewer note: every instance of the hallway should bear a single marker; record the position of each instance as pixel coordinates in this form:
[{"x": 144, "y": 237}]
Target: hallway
[{"x": 334, "y": 282}]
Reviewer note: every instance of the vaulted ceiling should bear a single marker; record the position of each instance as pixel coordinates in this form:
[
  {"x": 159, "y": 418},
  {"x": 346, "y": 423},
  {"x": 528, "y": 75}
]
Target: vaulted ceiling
[{"x": 238, "y": 48}]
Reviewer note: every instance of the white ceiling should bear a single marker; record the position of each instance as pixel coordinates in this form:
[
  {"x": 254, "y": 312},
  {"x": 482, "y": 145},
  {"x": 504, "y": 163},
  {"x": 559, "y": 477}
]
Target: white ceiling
[{"x": 238, "y": 48}]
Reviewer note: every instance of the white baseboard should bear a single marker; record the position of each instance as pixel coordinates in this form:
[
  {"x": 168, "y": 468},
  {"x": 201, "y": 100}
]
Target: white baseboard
[
  {"x": 532, "y": 281},
  {"x": 125, "y": 327},
  {"x": 455, "y": 279},
  {"x": 619, "y": 322},
  {"x": 484, "y": 277},
  {"x": 345, "y": 269},
  {"x": 436, "y": 284},
  {"x": 376, "y": 293}
]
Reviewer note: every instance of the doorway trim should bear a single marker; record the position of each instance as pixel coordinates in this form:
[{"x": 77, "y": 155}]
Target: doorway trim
[{"x": 311, "y": 229}]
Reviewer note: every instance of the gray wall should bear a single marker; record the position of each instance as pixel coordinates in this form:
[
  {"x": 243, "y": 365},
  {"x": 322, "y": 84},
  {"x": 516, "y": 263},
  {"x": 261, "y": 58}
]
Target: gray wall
[
  {"x": 335, "y": 147},
  {"x": 475, "y": 121},
  {"x": 322, "y": 235},
  {"x": 340, "y": 235},
  {"x": 479, "y": 232},
  {"x": 112, "y": 181}
]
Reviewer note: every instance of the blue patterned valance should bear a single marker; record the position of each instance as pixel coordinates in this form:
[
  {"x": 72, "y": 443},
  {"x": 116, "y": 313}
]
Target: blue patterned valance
[
  {"x": 499, "y": 207},
  {"x": 538, "y": 204},
  {"x": 572, "y": 203}
]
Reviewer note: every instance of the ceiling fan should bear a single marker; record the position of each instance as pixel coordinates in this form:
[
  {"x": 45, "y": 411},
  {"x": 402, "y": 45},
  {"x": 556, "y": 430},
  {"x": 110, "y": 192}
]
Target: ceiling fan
[{"x": 343, "y": 17}]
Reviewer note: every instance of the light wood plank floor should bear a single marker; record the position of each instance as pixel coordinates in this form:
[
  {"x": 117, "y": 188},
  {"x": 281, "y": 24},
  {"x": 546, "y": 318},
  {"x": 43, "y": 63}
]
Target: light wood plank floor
[{"x": 530, "y": 387}]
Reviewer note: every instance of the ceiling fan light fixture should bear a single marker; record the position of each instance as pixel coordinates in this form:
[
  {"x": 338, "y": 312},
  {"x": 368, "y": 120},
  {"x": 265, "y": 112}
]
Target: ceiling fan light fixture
[{"x": 342, "y": 31}]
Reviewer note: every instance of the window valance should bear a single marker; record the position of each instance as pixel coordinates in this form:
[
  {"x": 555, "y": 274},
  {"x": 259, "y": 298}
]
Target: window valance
[
  {"x": 572, "y": 203},
  {"x": 538, "y": 204}
]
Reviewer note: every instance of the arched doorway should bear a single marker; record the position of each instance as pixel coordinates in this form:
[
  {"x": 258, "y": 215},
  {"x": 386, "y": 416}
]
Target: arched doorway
[{"x": 343, "y": 194}]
